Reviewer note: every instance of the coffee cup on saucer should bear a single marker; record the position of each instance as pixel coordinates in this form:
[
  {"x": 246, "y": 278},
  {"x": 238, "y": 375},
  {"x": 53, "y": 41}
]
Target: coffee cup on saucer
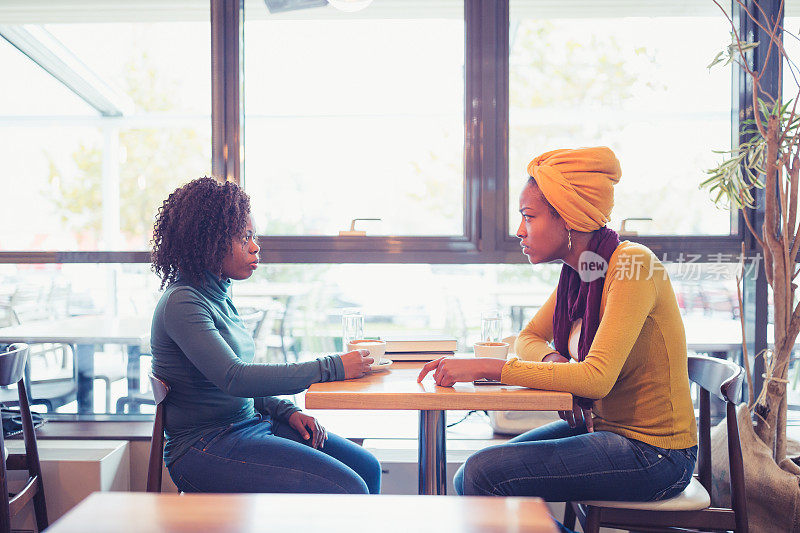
[
  {"x": 497, "y": 350},
  {"x": 375, "y": 347}
]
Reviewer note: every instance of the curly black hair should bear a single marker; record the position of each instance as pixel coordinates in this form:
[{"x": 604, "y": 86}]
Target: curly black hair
[{"x": 195, "y": 227}]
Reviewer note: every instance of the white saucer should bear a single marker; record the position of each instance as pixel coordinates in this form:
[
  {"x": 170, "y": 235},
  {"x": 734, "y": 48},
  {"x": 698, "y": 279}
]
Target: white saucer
[{"x": 383, "y": 365}]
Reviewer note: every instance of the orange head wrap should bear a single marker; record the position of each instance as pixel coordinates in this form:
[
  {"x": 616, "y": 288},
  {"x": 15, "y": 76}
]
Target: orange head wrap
[{"x": 578, "y": 184}]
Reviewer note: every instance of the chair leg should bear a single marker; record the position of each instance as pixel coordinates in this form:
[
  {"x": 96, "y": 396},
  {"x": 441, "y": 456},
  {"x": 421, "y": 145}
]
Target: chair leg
[
  {"x": 32, "y": 458},
  {"x": 108, "y": 395},
  {"x": 569, "y": 515},
  {"x": 121, "y": 403},
  {"x": 40, "y": 509},
  {"x": 592, "y": 524},
  {"x": 5, "y": 515}
]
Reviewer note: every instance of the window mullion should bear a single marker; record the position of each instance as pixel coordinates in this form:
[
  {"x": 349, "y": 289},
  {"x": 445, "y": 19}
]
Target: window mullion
[
  {"x": 487, "y": 120},
  {"x": 225, "y": 104}
]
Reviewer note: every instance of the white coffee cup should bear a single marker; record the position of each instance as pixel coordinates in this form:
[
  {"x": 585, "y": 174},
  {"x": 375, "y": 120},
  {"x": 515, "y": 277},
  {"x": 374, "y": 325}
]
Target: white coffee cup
[
  {"x": 498, "y": 350},
  {"x": 375, "y": 347}
]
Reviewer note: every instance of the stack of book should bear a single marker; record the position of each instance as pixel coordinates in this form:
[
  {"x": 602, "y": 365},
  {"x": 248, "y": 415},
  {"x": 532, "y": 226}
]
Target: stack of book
[{"x": 419, "y": 347}]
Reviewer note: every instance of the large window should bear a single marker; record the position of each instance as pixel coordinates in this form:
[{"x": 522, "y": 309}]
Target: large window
[
  {"x": 100, "y": 117},
  {"x": 104, "y": 109},
  {"x": 638, "y": 84},
  {"x": 355, "y": 116}
]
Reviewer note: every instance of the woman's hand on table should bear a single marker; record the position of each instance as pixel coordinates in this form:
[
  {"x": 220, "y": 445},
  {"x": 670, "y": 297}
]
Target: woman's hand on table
[
  {"x": 309, "y": 428},
  {"x": 356, "y": 363},
  {"x": 448, "y": 371},
  {"x": 578, "y": 414}
]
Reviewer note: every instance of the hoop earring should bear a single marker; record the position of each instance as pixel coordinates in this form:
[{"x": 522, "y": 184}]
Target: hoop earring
[{"x": 569, "y": 239}]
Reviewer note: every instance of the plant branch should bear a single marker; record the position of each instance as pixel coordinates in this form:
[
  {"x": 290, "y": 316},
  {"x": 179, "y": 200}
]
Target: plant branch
[
  {"x": 782, "y": 186},
  {"x": 794, "y": 323},
  {"x": 789, "y": 121},
  {"x": 767, "y": 30},
  {"x": 738, "y": 40},
  {"x": 745, "y": 356},
  {"x": 794, "y": 174},
  {"x": 751, "y": 228}
]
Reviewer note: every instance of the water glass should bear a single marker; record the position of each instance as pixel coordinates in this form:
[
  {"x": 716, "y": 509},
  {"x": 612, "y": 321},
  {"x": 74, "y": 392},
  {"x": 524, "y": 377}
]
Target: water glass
[
  {"x": 352, "y": 326},
  {"x": 491, "y": 326}
]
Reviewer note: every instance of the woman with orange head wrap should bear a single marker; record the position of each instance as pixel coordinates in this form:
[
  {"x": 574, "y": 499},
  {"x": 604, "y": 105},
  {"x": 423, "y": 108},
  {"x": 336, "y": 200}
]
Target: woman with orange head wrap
[{"x": 632, "y": 434}]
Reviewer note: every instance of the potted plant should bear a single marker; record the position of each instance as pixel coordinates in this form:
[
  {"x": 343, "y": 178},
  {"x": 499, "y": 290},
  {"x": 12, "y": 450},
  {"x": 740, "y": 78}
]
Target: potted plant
[{"x": 767, "y": 158}]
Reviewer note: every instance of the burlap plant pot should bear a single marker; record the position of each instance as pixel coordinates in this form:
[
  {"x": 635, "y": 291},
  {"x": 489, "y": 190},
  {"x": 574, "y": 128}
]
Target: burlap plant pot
[{"x": 773, "y": 495}]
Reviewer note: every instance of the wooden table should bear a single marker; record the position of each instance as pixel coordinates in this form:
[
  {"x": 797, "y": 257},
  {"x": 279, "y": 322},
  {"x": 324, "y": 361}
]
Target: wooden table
[
  {"x": 397, "y": 389},
  {"x": 138, "y": 512},
  {"x": 84, "y": 332}
]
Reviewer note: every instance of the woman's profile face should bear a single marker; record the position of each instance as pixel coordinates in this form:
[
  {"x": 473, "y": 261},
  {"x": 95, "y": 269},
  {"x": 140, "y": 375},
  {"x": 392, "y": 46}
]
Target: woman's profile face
[
  {"x": 242, "y": 258},
  {"x": 542, "y": 235}
]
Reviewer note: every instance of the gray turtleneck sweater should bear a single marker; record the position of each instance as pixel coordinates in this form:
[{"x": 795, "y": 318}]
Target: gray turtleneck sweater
[{"x": 203, "y": 351}]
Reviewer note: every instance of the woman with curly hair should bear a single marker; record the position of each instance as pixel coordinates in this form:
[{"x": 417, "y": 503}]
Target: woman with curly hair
[{"x": 226, "y": 431}]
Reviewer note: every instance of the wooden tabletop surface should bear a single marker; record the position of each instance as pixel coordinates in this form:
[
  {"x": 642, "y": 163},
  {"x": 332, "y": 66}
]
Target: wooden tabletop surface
[
  {"x": 397, "y": 388},
  {"x": 129, "y": 512}
]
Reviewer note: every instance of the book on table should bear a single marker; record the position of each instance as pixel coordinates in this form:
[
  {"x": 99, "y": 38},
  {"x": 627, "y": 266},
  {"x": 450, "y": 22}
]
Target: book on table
[
  {"x": 418, "y": 343},
  {"x": 416, "y": 356}
]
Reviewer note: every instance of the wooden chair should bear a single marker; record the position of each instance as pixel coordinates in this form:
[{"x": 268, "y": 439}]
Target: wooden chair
[
  {"x": 12, "y": 371},
  {"x": 156, "y": 463},
  {"x": 54, "y": 391},
  {"x": 690, "y": 510}
]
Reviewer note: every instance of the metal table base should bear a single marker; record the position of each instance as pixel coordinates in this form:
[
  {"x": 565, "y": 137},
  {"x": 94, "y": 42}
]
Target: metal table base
[{"x": 432, "y": 453}]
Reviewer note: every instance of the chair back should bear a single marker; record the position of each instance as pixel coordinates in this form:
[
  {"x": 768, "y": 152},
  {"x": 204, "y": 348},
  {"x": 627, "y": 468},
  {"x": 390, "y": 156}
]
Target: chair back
[
  {"x": 724, "y": 380},
  {"x": 12, "y": 364},
  {"x": 156, "y": 462},
  {"x": 8, "y": 316},
  {"x": 12, "y": 370}
]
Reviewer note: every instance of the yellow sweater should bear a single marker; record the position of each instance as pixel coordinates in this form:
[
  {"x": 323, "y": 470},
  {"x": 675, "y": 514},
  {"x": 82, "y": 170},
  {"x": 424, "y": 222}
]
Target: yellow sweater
[{"x": 636, "y": 368}]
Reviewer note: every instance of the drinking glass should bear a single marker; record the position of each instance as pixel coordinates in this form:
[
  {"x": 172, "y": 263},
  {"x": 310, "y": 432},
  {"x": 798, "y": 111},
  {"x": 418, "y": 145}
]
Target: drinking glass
[
  {"x": 352, "y": 326},
  {"x": 491, "y": 326}
]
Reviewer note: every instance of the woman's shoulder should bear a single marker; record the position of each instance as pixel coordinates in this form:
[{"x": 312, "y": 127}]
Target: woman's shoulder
[
  {"x": 632, "y": 260},
  {"x": 633, "y": 251},
  {"x": 179, "y": 293}
]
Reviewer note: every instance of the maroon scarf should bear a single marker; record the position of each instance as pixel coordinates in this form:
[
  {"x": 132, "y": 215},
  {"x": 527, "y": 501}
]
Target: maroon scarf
[{"x": 576, "y": 299}]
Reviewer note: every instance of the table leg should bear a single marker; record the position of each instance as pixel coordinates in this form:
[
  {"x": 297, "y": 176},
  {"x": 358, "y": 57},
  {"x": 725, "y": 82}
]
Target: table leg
[
  {"x": 282, "y": 331},
  {"x": 133, "y": 371},
  {"x": 84, "y": 359},
  {"x": 432, "y": 453}
]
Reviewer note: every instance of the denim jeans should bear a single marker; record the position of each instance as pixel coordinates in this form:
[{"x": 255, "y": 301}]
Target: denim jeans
[
  {"x": 558, "y": 463},
  {"x": 261, "y": 455}
]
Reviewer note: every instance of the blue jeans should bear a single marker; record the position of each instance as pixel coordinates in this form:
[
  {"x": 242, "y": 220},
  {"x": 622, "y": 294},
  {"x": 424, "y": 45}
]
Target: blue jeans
[
  {"x": 261, "y": 455},
  {"x": 558, "y": 463}
]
